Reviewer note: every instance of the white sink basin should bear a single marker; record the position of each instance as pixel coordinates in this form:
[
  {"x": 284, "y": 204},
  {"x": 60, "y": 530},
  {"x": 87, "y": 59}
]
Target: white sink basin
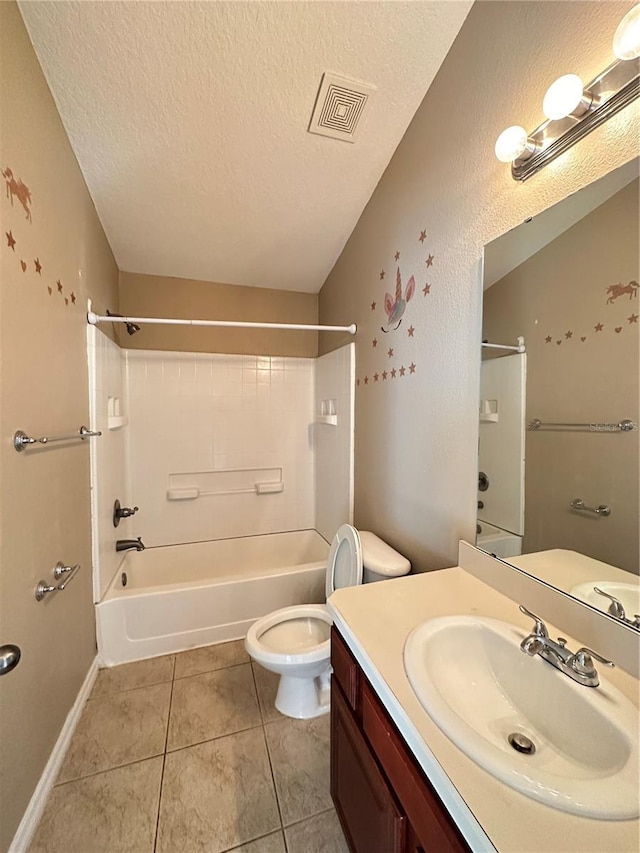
[
  {"x": 479, "y": 687},
  {"x": 628, "y": 594}
]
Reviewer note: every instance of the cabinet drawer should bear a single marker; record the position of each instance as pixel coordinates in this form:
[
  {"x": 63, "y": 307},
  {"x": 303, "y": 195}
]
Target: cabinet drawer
[
  {"x": 434, "y": 830},
  {"x": 345, "y": 669},
  {"x": 366, "y": 806}
]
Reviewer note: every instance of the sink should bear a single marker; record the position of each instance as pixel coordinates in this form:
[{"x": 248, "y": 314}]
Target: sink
[
  {"x": 479, "y": 688},
  {"x": 628, "y": 594}
]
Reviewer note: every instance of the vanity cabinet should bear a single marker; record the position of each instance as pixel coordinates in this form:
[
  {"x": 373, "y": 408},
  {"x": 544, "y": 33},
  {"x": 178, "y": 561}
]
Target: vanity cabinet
[{"x": 383, "y": 799}]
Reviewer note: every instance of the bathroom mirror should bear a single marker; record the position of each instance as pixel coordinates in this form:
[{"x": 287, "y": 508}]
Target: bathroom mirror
[{"x": 558, "y": 485}]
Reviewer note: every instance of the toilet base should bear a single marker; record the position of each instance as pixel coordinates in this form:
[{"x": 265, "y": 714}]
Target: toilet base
[{"x": 304, "y": 698}]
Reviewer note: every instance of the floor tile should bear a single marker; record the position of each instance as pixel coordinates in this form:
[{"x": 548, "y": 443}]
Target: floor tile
[
  {"x": 112, "y": 811},
  {"x": 269, "y": 844},
  {"x": 299, "y": 751},
  {"x": 217, "y": 795},
  {"x": 267, "y": 685},
  {"x": 209, "y": 658},
  {"x": 115, "y": 679},
  {"x": 319, "y": 834},
  {"x": 212, "y": 705},
  {"x": 119, "y": 729}
]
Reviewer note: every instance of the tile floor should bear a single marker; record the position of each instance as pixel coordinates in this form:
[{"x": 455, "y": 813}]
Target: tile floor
[{"x": 187, "y": 753}]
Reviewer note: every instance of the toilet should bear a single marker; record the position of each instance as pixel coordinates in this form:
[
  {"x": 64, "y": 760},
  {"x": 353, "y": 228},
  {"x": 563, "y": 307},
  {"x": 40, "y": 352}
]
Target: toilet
[{"x": 295, "y": 641}]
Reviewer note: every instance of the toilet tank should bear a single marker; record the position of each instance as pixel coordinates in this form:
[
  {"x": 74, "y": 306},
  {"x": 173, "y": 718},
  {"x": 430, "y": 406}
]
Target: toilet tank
[{"x": 380, "y": 561}]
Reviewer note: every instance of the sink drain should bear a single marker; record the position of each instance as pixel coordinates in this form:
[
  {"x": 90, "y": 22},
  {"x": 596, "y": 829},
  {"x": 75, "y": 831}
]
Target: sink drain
[{"x": 521, "y": 743}]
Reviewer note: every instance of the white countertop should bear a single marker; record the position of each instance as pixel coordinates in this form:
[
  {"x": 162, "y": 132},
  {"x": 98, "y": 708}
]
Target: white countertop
[{"x": 375, "y": 620}]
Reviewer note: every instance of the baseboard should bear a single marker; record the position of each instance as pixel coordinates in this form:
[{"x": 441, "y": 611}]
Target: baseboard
[{"x": 33, "y": 813}]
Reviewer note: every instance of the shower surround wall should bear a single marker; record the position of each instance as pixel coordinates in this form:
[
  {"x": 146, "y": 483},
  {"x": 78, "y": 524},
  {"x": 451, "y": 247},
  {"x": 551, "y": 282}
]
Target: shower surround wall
[{"x": 191, "y": 414}]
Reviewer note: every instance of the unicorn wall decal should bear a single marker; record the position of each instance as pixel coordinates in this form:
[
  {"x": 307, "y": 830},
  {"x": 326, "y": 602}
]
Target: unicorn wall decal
[
  {"x": 395, "y": 309},
  {"x": 18, "y": 189}
]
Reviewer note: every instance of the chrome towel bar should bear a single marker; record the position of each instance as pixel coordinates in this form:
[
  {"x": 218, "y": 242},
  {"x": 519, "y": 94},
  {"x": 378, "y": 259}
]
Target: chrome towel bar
[
  {"x": 578, "y": 504},
  {"x": 21, "y": 440},
  {"x": 625, "y": 425},
  {"x": 63, "y": 574}
]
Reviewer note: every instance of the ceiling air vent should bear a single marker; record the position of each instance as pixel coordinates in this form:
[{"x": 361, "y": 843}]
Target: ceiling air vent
[{"x": 339, "y": 107}]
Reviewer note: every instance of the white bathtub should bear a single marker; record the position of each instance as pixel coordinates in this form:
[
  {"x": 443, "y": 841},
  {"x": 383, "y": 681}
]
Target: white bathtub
[{"x": 178, "y": 597}]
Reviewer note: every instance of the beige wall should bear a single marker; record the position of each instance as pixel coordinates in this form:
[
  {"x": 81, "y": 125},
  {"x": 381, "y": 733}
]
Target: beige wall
[
  {"x": 417, "y": 434},
  {"x": 161, "y": 296},
  {"x": 44, "y": 494},
  {"x": 587, "y": 377}
]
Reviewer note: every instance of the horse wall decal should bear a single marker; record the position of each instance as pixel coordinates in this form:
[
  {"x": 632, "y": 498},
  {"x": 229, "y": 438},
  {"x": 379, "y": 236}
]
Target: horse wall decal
[
  {"x": 617, "y": 290},
  {"x": 18, "y": 189}
]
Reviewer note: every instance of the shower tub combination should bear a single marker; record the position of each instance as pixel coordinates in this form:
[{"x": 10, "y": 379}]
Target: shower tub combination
[{"x": 177, "y": 597}]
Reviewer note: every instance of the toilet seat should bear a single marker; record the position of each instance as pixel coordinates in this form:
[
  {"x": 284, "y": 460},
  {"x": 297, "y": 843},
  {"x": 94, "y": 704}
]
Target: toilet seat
[
  {"x": 344, "y": 563},
  {"x": 294, "y": 622}
]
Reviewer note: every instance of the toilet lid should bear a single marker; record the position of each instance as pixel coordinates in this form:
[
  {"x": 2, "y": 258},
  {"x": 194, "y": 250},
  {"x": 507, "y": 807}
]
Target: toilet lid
[{"x": 344, "y": 564}]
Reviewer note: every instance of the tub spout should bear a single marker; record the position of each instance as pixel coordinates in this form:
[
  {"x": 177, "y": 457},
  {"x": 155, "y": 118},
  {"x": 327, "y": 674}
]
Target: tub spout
[{"x": 126, "y": 544}]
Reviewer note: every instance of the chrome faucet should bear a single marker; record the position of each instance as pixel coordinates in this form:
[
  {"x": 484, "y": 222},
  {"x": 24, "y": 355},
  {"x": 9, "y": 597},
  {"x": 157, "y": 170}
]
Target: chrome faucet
[
  {"x": 617, "y": 610},
  {"x": 126, "y": 544},
  {"x": 578, "y": 666}
]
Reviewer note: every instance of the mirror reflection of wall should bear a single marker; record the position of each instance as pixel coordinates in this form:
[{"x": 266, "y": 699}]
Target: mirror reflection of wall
[{"x": 568, "y": 282}]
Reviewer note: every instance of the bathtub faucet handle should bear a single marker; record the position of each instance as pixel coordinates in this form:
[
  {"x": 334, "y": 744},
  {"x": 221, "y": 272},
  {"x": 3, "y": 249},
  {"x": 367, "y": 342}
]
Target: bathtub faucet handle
[{"x": 122, "y": 512}]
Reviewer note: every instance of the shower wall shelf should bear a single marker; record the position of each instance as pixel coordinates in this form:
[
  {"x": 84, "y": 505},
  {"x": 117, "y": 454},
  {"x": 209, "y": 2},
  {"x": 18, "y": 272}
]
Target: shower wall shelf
[
  {"x": 117, "y": 421},
  {"x": 225, "y": 481},
  {"x": 331, "y": 420}
]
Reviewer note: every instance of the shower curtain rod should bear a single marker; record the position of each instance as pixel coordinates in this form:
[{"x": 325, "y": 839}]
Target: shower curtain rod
[
  {"x": 519, "y": 348},
  {"x": 94, "y": 319}
]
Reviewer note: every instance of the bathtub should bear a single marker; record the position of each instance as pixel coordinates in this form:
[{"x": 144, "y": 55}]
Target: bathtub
[{"x": 177, "y": 597}]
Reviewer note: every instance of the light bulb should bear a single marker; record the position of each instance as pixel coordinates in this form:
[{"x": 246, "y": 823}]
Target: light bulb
[
  {"x": 626, "y": 41},
  {"x": 566, "y": 97},
  {"x": 511, "y": 144}
]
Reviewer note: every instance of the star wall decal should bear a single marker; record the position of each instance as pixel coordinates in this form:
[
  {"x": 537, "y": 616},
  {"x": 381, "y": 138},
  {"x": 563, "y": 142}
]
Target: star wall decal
[
  {"x": 357, "y": 382},
  {"x": 396, "y": 257},
  {"x": 390, "y": 352},
  {"x": 423, "y": 236},
  {"x": 66, "y": 301},
  {"x": 568, "y": 335},
  {"x": 429, "y": 261},
  {"x": 381, "y": 274},
  {"x": 599, "y": 327},
  {"x": 59, "y": 283},
  {"x": 393, "y": 373},
  {"x": 73, "y": 297},
  {"x": 426, "y": 289},
  {"x": 548, "y": 339},
  {"x": 384, "y": 374},
  {"x": 374, "y": 343},
  {"x": 50, "y": 289},
  {"x": 11, "y": 240},
  {"x": 402, "y": 370},
  {"x": 412, "y": 368},
  {"x": 366, "y": 380},
  {"x": 375, "y": 377},
  {"x": 410, "y": 331},
  {"x": 633, "y": 318},
  {"x": 38, "y": 266},
  {"x": 23, "y": 264},
  {"x": 373, "y": 306}
]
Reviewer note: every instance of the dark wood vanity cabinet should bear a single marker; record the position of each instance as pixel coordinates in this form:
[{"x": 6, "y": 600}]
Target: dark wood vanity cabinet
[{"x": 383, "y": 799}]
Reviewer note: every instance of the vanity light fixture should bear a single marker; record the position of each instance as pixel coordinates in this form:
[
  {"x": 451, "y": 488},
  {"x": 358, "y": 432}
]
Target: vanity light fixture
[{"x": 574, "y": 110}]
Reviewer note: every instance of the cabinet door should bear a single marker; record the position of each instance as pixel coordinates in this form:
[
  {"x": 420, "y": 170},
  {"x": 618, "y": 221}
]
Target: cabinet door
[{"x": 367, "y": 808}]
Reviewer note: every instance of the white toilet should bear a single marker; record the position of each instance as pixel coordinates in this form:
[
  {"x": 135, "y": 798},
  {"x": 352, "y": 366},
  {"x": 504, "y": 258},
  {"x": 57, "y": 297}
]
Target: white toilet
[{"x": 294, "y": 641}]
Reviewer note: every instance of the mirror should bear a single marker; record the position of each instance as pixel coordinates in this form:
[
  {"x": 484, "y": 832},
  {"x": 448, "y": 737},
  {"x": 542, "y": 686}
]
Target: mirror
[{"x": 558, "y": 485}]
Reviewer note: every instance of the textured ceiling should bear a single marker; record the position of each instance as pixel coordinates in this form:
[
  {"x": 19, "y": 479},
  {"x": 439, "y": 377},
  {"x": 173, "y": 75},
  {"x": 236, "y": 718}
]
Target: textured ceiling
[{"x": 189, "y": 121}]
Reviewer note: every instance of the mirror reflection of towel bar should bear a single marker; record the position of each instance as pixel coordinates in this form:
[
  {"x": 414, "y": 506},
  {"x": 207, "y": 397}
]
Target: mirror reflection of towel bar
[{"x": 578, "y": 504}]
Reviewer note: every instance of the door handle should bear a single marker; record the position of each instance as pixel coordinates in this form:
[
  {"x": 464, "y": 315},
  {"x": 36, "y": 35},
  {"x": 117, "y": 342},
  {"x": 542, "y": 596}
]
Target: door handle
[{"x": 9, "y": 658}]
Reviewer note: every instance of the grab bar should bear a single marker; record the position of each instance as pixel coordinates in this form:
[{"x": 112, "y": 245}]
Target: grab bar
[
  {"x": 21, "y": 440},
  {"x": 579, "y": 505}
]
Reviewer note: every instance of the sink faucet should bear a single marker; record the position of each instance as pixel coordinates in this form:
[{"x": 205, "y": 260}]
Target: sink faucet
[
  {"x": 617, "y": 610},
  {"x": 578, "y": 666},
  {"x": 126, "y": 544}
]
